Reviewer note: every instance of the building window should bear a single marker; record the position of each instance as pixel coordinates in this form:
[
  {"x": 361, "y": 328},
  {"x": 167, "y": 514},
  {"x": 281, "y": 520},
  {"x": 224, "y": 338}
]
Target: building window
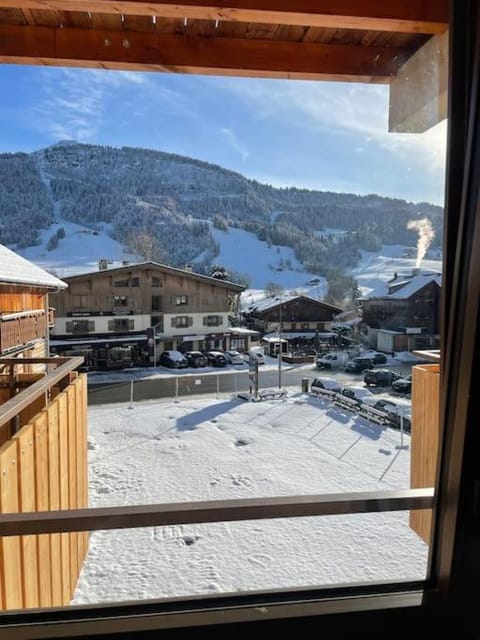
[
  {"x": 293, "y": 326},
  {"x": 182, "y": 321},
  {"x": 156, "y": 281},
  {"x": 121, "y": 324},
  {"x": 305, "y": 325},
  {"x": 121, "y": 283},
  {"x": 135, "y": 282},
  {"x": 212, "y": 321},
  {"x": 80, "y": 326},
  {"x": 181, "y": 300},
  {"x": 119, "y": 301}
]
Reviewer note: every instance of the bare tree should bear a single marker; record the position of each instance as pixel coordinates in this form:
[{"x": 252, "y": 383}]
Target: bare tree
[{"x": 147, "y": 246}]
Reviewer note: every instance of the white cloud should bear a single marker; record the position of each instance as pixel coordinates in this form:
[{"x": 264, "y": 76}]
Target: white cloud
[
  {"x": 72, "y": 102},
  {"x": 344, "y": 109},
  {"x": 234, "y": 142}
]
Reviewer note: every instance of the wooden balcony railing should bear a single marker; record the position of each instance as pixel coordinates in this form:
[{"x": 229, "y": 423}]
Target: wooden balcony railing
[
  {"x": 43, "y": 467},
  {"x": 17, "y": 329}
]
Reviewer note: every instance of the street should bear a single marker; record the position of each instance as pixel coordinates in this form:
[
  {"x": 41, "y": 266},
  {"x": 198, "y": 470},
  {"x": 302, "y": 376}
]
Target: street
[{"x": 182, "y": 385}]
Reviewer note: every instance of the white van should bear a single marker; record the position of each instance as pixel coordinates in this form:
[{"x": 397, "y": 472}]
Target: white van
[
  {"x": 333, "y": 360},
  {"x": 258, "y": 354}
]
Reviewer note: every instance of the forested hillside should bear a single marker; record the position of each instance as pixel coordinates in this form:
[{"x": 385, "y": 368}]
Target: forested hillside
[{"x": 162, "y": 205}]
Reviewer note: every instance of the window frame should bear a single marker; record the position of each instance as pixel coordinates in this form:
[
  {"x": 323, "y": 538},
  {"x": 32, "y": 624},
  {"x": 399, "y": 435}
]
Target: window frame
[{"x": 441, "y": 608}]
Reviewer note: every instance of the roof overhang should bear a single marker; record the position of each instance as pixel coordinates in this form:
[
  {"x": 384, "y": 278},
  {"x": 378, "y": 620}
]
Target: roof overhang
[{"x": 331, "y": 39}]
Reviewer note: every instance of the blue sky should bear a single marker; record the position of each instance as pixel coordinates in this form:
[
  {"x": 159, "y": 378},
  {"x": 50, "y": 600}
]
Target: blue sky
[{"x": 316, "y": 135}]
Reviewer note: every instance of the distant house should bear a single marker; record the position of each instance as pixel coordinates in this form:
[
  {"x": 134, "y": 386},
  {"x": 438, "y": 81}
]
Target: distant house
[
  {"x": 25, "y": 315},
  {"x": 407, "y": 316},
  {"x": 115, "y": 317},
  {"x": 302, "y": 319}
]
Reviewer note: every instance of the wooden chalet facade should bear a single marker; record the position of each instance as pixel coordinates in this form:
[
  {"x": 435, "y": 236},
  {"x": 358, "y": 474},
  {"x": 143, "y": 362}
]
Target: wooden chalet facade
[
  {"x": 25, "y": 315},
  {"x": 407, "y": 316},
  {"x": 294, "y": 314},
  {"x": 110, "y": 316}
]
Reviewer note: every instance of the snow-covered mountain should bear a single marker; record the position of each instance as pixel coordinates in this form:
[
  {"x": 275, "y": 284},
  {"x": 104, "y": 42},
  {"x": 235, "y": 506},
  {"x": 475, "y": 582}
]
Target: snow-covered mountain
[{"x": 180, "y": 210}]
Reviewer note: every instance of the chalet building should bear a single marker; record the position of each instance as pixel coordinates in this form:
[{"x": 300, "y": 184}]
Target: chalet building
[
  {"x": 302, "y": 319},
  {"x": 113, "y": 316},
  {"x": 25, "y": 315},
  {"x": 407, "y": 316}
]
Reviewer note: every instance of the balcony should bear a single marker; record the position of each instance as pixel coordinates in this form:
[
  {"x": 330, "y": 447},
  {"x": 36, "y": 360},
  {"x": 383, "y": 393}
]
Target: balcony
[
  {"x": 17, "y": 329},
  {"x": 43, "y": 467}
]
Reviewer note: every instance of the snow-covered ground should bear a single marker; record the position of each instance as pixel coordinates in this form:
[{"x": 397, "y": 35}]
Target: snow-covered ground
[
  {"x": 376, "y": 268},
  {"x": 78, "y": 252},
  {"x": 206, "y": 449},
  {"x": 243, "y": 251}
]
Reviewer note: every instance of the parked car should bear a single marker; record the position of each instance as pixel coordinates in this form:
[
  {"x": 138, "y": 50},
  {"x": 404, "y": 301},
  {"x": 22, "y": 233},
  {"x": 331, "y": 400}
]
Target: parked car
[
  {"x": 394, "y": 412},
  {"x": 325, "y": 383},
  {"x": 216, "y": 359},
  {"x": 173, "y": 360},
  {"x": 377, "y": 357},
  {"x": 380, "y": 377},
  {"x": 358, "y": 364},
  {"x": 259, "y": 355},
  {"x": 403, "y": 385},
  {"x": 234, "y": 357},
  {"x": 196, "y": 359},
  {"x": 356, "y": 393},
  {"x": 331, "y": 360}
]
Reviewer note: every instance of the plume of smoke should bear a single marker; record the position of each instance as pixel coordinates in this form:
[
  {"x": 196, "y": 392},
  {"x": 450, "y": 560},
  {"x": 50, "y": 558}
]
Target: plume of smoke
[{"x": 425, "y": 236}]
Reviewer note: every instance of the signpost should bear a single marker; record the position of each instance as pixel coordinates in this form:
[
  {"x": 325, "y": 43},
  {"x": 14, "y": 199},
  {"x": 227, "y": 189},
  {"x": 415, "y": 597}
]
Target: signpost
[{"x": 253, "y": 374}]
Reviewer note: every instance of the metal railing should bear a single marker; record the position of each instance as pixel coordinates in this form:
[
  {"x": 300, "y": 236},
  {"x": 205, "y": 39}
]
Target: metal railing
[{"x": 134, "y": 516}]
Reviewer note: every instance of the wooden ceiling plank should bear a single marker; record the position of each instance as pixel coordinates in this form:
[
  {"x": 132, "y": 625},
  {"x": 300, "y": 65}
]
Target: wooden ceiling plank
[
  {"x": 11, "y": 16},
  {"x": 29, "y": 19},
  {"x": 45, "y": 18},
  {"x": 319, "y": 34},
  {"x": 107, "y": 21},
  {"x": 289, "y": 33},
  {"x": 410, "y": 16},
  {"x": 75, "y": 19},
  {"x": 261, "y": 31},
  {"x": 189, "y": 54},
  {"x": 138, "y": 23}
]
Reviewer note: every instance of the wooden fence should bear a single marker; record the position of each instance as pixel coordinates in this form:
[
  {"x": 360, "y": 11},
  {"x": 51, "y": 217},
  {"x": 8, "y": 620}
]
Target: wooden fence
[
  {"x": 425, "y": 436},
  {"x": 43, "y": 466}
]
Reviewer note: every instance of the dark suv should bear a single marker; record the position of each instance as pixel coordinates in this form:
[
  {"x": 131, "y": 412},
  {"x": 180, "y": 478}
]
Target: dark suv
[
  {"x": 358, "y": 364},
  {"x": 403, "y": 385},
  {"x": 380, "y": 377},
  {"x": 196, "y": 359},
  {"x": 216, "y": 359}
]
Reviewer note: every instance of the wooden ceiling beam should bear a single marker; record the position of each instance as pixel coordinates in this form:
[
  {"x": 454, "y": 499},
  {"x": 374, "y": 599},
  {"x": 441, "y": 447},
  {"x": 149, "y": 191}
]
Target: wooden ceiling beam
[
  {"x": 408, "y": 16},
  {"x": 145, "y": 51}
]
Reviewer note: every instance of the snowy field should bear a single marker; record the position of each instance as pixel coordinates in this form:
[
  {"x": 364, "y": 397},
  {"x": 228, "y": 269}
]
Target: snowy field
[
  {"x": 78, "y": 252},
  {"x": 240, "y": 250},
  {"x": 207, "y": 449}
]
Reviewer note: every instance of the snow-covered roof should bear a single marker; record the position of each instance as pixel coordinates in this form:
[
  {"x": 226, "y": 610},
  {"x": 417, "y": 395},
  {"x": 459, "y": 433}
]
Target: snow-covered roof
[
  {"x": 270, "y": 302},
  {"x": 275, "y": 301},
  {"x": 163, "y": 267},
  {"x": 15, "y": 269},
  {"x": 243, "y": 331},
  {"x": 417, "y": 282},
  {"x": 403, "y": 286}
]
